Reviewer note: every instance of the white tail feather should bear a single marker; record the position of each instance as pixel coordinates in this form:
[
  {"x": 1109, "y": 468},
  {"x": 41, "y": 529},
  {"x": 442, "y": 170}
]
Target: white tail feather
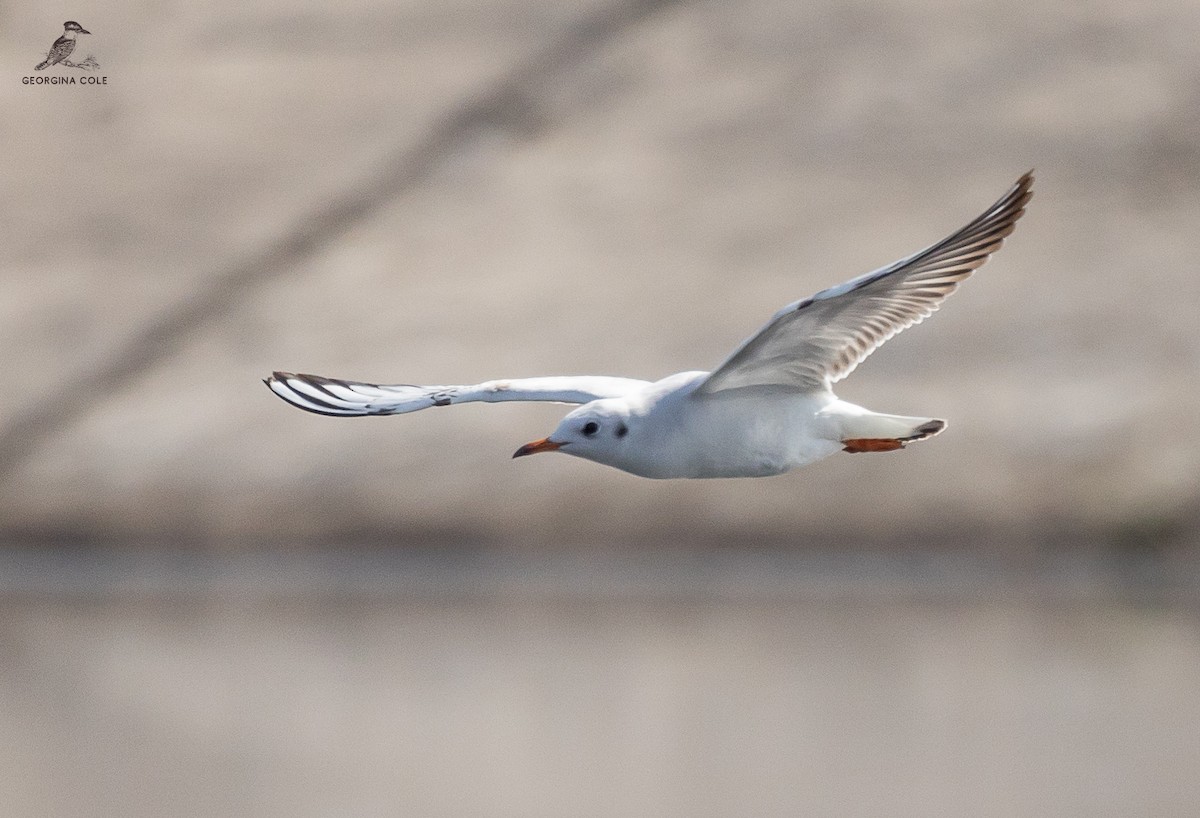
[{"x": 890, "y": 427}]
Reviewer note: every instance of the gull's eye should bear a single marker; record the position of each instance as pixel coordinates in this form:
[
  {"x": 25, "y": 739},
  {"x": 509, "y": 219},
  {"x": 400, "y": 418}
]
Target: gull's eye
[{"x": 590, "y": 428}]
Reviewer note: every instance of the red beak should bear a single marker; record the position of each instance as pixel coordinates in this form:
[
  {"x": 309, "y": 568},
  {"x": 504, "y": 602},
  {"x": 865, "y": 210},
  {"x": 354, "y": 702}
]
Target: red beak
[{"x": 543, "y": 445}]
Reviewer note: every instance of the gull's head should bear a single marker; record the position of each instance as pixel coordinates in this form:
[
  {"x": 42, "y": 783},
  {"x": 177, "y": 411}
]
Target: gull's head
[{"x": 599, "y": 431}]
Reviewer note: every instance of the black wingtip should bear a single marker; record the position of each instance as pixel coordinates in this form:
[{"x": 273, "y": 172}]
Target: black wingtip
[
  {"x": 931, "y": 428},
  {"x": 1024, "y": 187}
]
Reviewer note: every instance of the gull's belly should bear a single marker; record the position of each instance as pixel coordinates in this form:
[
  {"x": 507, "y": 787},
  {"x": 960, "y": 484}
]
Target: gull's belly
[{"x": 742, "y": 437}]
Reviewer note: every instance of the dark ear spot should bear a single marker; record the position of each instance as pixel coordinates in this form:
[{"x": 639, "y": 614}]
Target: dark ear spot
[{"x": 622, "y": 430}]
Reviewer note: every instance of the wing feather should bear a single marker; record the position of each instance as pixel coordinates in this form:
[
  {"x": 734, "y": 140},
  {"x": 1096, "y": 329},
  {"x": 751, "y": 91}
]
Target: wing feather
[
  {"x": 343, "y": 398},
  {"x": 817, "y": 341}
]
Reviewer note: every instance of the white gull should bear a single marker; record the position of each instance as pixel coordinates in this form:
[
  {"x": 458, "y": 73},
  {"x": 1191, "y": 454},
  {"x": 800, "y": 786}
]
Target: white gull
[{"x": 767, "y": 409}]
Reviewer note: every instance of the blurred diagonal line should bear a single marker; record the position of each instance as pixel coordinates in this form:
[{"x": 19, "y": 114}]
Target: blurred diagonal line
[{"x": 498, "y": 107}]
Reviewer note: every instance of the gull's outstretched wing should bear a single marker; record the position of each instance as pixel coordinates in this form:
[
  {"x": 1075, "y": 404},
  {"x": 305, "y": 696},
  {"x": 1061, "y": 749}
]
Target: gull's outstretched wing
[
  {"x": 332, "y": 396},
  {"x": 815, "y": 342}
]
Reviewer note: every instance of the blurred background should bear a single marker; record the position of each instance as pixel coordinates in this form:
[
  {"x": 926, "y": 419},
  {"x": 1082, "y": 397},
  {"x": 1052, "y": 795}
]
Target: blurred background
[{"x": 213, "y": 604}]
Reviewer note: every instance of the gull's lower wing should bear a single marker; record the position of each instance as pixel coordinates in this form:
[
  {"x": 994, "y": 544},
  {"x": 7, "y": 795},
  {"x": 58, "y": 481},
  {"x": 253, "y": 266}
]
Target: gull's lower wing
[
  {"x": 820, "y": 340},
  {"x": 342, "y": 398}
]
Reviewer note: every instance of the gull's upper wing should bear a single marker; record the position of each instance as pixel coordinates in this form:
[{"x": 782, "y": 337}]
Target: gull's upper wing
[
  {"x": 815, "y": 342},
  {"x": 332, "y": 396}
]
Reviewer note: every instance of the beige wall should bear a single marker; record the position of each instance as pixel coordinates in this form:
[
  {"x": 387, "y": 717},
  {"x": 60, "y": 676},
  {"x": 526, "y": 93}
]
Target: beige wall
[{"x": 528, "y": 194}]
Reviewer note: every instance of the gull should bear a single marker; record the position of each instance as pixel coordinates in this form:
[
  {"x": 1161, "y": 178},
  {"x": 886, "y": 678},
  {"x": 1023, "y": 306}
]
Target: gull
[{"x": 767, "y": 409}]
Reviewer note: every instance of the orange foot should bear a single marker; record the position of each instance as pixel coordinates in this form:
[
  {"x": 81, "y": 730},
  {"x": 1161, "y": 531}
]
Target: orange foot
[{"x": 872, "y": 444}]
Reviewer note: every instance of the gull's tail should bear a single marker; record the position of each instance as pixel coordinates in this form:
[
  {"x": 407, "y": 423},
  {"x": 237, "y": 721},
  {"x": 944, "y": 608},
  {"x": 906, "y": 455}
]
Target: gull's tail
[
  {"x": 339, "y": 398},
  {"x": 886, "y": 433}
]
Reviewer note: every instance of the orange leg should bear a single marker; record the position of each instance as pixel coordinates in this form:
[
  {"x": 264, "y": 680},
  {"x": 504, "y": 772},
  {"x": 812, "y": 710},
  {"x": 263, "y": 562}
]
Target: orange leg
[{"x": 872, "y": 444}]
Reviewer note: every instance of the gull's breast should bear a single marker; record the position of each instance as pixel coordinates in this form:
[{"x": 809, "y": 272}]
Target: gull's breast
[{"x": 752, "y": 434}]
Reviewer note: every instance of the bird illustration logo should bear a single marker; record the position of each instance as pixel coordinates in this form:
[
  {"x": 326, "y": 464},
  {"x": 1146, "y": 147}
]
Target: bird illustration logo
[{"x": 63, "y": 47}]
